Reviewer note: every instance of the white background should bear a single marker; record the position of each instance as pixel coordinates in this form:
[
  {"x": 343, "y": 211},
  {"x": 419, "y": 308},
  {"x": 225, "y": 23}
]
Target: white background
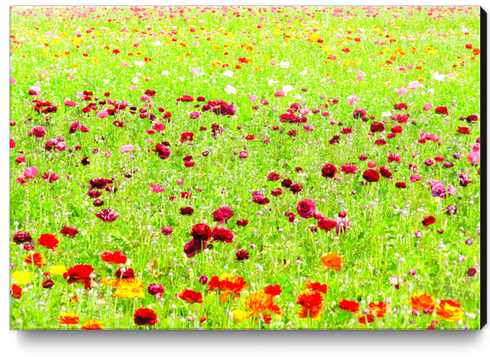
[{"x": 210, "y": 343}]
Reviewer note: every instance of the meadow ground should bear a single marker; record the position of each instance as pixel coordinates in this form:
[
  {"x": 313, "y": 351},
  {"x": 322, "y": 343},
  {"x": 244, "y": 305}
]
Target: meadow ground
[{"x": 245, "y": 168}]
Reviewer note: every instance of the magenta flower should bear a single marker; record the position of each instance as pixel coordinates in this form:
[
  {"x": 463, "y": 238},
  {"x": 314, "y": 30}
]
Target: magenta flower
[
  {"x": 156, "y": 188},
  {"x": 107, "y": 215},
  {"x": 306, "y": 208},
  {"x": 126, "y": 148}
]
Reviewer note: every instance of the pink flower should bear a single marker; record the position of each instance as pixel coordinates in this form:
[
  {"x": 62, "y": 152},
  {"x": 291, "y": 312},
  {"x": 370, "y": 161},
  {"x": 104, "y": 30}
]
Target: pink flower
[
  {"x": 31, "y": 172},
  {"x": 103, "y": 114},
  {"x": 438, "y": 189},
  {"x": 158, "y": 127},
  {"x": 50, "y": 178},
  {"x": 308, "y": 127},
  {"x": 253, "y": 98},
  {"x": 401, "y": 91},
  {"x": 107, "y": 215},
  {"x": 13, "y": 80},
  {"x": 427, "y": 106},
  {"x": 474, "y": 157},
  {"x": 180, "y": 182},
  {"x": 156, "y": 188},
  {"x": 194, "y": 115},
  {"x": 306, "y": 208},
  {"x": 127, "y": 148},
  {"x": 415, "y": 85},
  {"x": 342, "y": 225},
  {"x": 352, "y": 99},
  {"x": 145, "y": 98},
  {"x": 279, "y": 93},
  {"x": 415, "y": 178},
  {"x": 243, "y": 154}
]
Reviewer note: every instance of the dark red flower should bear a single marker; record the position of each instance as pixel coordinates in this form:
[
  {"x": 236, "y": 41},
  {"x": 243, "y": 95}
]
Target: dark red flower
[
  {"x": 154, "y": 289},
  {"x": 22, "y": 237},
  {"x": 377, "y": 127},
  {"x": 428, "y": 220},
  {"x": 329, "y": 171},
  {"x": 107, "y": 215},
  {"x": 241, "y": 222},
  {"x": 306, "y": 208},
  {"x": 194, "y": 246},
  {"x": 145, "y": 317},
  {"x": 401, "y": 185},
  {"x": 463, "y": 130},
  {"x": 222, "y": 234},
  {"x": 222, "y": 214},
  {"x": 125, "y": 273},
  {"x": 371, "y": 175},
  {"x": 327, "y": 223},
  {"x": 276, "y": 192},
  {"x": 16, "y": 291},
  {"x": 273, "y": 176},
  {"x": 385, "y": 171},
  {"x": 163, "y": 152},
  {"x": 441, "y": 110},
  {"x": 258, "y": 197},
  {"x": 201, "y": 231},
  {"x": 242, "y": 255},
  {"x": 186, "y": 211},
  {"x": 167, "y": 230},
  {"x": 296, "y": 188},
  {"x": 69, "y": 231},
  {"x": 48, "y": 284},
  {"x": 286, "y": 183}
]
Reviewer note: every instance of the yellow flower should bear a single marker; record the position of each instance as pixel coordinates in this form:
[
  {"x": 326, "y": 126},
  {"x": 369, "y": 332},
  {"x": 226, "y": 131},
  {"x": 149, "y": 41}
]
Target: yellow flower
[
  {"x": 130, "y": 288},
  {"x": 57, "y": 270},
  {"x": 21, "y": 277}
]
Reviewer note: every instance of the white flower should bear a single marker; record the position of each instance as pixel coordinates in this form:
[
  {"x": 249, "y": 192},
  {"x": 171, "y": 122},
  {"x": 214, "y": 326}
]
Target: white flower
[
  {"x": 138, "y": 63},
  {"x": 287, "y": 88},
  {"x": 230, "y": 90},
  {"x": 157, "y": 43},
  {"x": 228, "y": 73},
  {"x": 385, "y": 114},
  {"x": 284, "y": 65},
  {"x": 438, "y": 77},
  {"x": 164, "y": 73},
  {"x": 431, "y": 91},
  {"x": 298, "y": 96},
  {"x": 271, "y": 82},
  {"x": 303, "y": 72}
]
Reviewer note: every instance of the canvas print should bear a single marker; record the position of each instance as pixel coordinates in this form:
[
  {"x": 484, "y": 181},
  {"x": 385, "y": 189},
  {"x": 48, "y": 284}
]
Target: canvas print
[{"x": 265, "y": 168}]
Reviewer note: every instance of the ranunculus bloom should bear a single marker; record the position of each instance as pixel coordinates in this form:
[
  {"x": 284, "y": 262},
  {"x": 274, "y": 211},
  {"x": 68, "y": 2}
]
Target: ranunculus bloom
[
  {"x": 257, "y": 303},
  {"x": 449, "y": 310},
  {"x": 68, "y": 318},
  {"x": 222, "y": 234},
  {"x": 79, "y": 274},
  {"x": 229, "y": 284},
  {"x": 22, "y": 237},
  {"x": 241, "y": 222},
  {"x": 145, "y": 317},
  {"x": 371, "y": 175},
  {"x": 156, "y": 188},
  {"x": 92, "y": 325},
  {"x": 154, "y": 289},
  {"x": 167, "y": 230},
  {"x": 49, "y": 241},
  {"x": 107, "y": 215},
  {"x": 332, "y": 260},
  {"x": 126, "y": 148},
  {"x": 326, "y": 223},
  {"x": 116, "y": 257},
  {"x": 190, "y": 296},
  {"x": 306, "y": 208},
  {"x": 428, "y": 221},
  {"x": 69, "y": 231},
  {"x": 163, "y": 152},
  {"x": 201, "y": 231},
  {"x": 349, "y": 305},
  {"x": 315, "y": 286},
  {"x": 311, "y": 302},
  {"x": 421, "y": 301},
  {"x": 36, "y": 259},
  {"x": 194, "y": 246},
  {"x": 329, "y": 171},
  {"x": 222, "y": 214}
]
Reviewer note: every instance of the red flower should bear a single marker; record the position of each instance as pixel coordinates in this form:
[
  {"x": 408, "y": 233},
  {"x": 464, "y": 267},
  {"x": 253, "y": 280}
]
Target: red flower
[
  {"x": 371, "y": 175},
  {"x": 242, "y": 255},
  {"x": 194, "y": 246},
  {"x": 377, "y": 127},
  {"x": 273, "y": 290},
  {"x": 370, "y": 318},
  {"x": 258, "y": 197},
  {"x": 401, "y": 185},
  {"x": 222, "y": 234},
  {"x": 463, "y": 130},
  {"x": 145, "y": 317},
  {"x": 327, "y": 223},
  {"x": 306, "y": 208},
  {"x": 22, "y": 237},
  {"x": 190, "y": 296},
  {"x": 222, "y": 214},
  {"x": 273, "y": 176},
  {"x": 79, "y": 273},
  {"x": 385, "y": 171},
  {"x": 48, "y": 284},
  {"x": 428, "y": 220},
  {"x": 349, "y": 305},
  {"x": 201, "y": 231},
  {"x": 16, "y": 291},
  {"x": 329, "y": 171},
  {"x": 116, "y": 257},
  {"x": 241, "y": 222},
  {"x": 441, "y": 110},
  {"x": 276, "y": 192},
  {"x": 296, "y": 188},
  {"x": 69, "y": 231},
  {"x": 315, "y": 286},
  {"x": 186, "y": 211},
  {"x": 49, "y": 241},
  {"x": 163, "y": 152}
]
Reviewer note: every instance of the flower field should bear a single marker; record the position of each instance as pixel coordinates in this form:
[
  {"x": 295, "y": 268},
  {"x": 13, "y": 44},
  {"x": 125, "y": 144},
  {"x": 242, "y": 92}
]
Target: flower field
[{"x": 244, "y": 168}]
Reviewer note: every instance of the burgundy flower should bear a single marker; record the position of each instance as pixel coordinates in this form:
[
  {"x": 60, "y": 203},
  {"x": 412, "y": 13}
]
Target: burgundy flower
[
  {"x": 203, "y": 279},
  {"x": 258, "y": 197},
  {"x": 145, "y": 317},
  {"x": 472, "y": 271},
  {"x": 296, "y": 188},
  {"x": 377, "y": 127},
  {"x": 401, "y": 185},
  {"x": 385, "y": 171},
  {"x": 50, "y": 178},
  {"x": 349, "y": 168},
  {"x": 98, "y": 203},
  {"x": 99, "y": 183},
  {"x": 194, "y": 246},
  {"x": 154, "y": 289},
  {"x": 163, "y": 152},
  {"x": 329, "y": 171},
  {"x": 306, "y": 208},
  {"x": 451, "y": 210},
  {"x": 186, "y": 211},
  {"x": 241, "y": 222},
  {"x": 222, "y": 234},
  {"x": 125, "y": 272},
  {"x": 107, "y": 215},
  {"x": 441, "y": 110},
  {"x": 222, "y": 214},
  {"x": 286, "y": 183},
  {"x": 201, "y": 231},
  {"x": 69, "y": 231},
  {"x": 39, "y": 131},
  {"x": 276, "y": 192},
  {"x": 48, "y": 284},
  {"x": 22, "y": 237},
  {"x": 242, "y": 255},
  {"x": 371, "y": 175},
  {"x": 428, "y": 221},
  {"x": 273, "y": 176}
]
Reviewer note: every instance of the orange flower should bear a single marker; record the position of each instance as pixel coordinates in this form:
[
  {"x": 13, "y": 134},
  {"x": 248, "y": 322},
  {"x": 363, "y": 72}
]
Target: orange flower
[
  {"x": 190, "y": 296},
  {"x": 332, "y": 260},
  {"x": 313, "y": 285},
  {"x": 36, "y": 259},
  {"x": 257, "y": 303},
  {"x": 68, "y": 318},
  {"x": 370, "y": 318},
  {"x": 92, "y": 325},
  {"x": 421, "y": 300},
  {"x": 128, "y": 287},
  {"x": 230, "y": 284},
  {"x": 379, "y": 307},
  {"x": 311, "y": 304},
  {"x": 49, "y": 241},
  {"x": 449, "y": 310}
]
